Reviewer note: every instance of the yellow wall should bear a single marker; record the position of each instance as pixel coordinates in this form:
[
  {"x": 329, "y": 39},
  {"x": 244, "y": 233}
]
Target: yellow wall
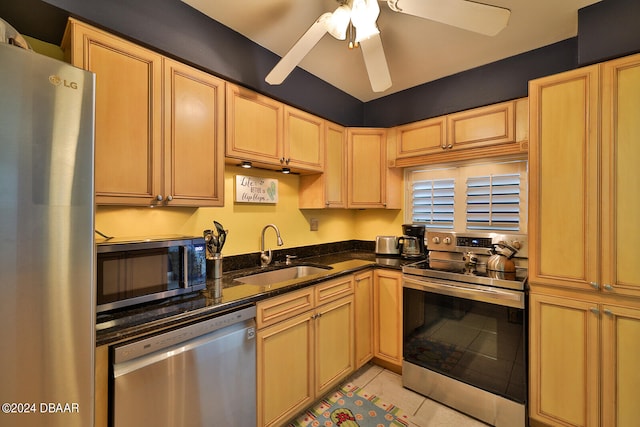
[
  {"x": 45, "y": 48},
  {"x": 245, "y": 221}
]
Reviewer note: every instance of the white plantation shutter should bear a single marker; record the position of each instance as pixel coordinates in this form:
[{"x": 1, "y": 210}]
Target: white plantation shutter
[
  {"x": 493, "y": 202},
  {"x": 433, "y": 203},
  {"x": 473, "y": 196}
]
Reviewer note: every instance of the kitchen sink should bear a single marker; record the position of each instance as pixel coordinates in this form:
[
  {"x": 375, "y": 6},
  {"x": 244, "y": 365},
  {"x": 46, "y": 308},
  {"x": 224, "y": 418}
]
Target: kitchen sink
[{"x": 282, "y": 275}]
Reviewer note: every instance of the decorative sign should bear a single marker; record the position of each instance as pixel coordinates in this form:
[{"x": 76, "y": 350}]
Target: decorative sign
[{"x": 251, "y": 189}]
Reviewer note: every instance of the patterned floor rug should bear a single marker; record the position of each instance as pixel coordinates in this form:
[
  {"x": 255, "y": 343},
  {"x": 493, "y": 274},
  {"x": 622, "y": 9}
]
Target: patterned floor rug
[{"x": 352, "y": 406}]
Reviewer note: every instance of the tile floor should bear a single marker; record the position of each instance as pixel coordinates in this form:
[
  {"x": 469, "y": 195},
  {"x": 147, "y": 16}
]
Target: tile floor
[{"x": 423, "y": 412}]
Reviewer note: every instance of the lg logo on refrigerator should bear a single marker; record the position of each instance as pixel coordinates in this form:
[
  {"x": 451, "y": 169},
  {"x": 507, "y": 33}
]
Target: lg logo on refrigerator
[{"x": 57, "y": 81}]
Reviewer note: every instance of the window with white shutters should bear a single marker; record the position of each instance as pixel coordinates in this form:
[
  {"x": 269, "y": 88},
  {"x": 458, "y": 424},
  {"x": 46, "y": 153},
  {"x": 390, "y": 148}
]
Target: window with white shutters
[
  {"x": 474, "y": 196},
  {"x": 433, "y": 203},
  {"x": 493, "y": 202}
]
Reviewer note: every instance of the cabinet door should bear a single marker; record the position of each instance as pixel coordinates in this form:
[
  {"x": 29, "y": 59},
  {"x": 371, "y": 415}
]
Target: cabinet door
[
  {"x": 285, "y": 368},
  {"x": 128, "y": 144},
  {"x": 421, "y": 138},
  {"x": 620, "y": 376},
  {"x": 254, "y": 126},
  {"x": 328, "y": 189},
  {"x": 364, "y": 317},
  {"x": 481, "y": 127},
  {"x": 366, "y": 168},
  {"x": 335, "y": 166},
  {"x": 303, "y": 140},
  {"x": 194, "y": 136},
  {"x": 563, "y": 180},
  {"x": 334, "y": 343},
  {"x": 620, "y": 175},
  {"x": 388, "y": 316},
  {"x": 564, "y": 362}
]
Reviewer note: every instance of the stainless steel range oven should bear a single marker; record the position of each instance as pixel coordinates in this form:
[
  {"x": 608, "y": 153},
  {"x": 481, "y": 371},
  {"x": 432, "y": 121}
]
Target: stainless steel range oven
[{"x": 465, "y": 326}]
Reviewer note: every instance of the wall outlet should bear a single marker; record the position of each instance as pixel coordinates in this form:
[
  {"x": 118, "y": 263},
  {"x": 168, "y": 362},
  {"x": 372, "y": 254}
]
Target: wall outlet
[{"x": 314, "y": 224}]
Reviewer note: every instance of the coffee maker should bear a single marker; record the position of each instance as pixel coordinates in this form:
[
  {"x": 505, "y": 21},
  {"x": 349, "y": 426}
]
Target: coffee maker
[{"x": 411, "y": 244}]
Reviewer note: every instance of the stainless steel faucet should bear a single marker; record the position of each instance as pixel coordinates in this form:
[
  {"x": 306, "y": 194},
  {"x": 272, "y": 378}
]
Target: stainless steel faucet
[{"x": 265, "y": 256}]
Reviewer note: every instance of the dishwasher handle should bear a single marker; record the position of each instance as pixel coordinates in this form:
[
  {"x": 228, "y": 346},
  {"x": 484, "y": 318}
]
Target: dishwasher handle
[{"x": 157, "y": 343}]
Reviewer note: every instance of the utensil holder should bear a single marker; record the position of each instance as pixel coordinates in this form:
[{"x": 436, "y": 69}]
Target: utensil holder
[{"x": 214, "y": 266}]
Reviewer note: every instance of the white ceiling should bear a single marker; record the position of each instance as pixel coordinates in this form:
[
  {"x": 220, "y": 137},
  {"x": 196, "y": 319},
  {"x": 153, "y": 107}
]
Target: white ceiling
[{"x": 417, "y": 50}]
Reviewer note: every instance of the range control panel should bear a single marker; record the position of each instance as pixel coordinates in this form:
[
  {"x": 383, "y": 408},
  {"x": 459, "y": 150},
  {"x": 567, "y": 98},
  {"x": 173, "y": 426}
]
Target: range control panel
[{"x": 480, "y": 243}]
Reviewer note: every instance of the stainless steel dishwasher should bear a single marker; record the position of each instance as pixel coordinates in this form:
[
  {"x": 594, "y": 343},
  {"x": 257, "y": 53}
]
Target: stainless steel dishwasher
[{"x": 199, "y": 375}]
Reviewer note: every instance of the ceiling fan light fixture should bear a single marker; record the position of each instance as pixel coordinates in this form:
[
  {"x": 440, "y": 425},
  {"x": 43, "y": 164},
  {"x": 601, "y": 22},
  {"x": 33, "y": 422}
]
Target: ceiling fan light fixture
[
  {"x": 338, "y": 22},
  {"x": 364, "y": 14}
]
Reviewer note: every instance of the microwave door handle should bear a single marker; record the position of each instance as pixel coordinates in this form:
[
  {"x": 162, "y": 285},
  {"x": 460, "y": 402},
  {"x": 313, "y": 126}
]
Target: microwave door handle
[{"x": 185, "y": 266}]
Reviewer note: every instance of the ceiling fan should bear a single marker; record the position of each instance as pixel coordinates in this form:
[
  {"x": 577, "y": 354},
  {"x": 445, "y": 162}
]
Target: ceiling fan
[{"x": 356, "y": 19}]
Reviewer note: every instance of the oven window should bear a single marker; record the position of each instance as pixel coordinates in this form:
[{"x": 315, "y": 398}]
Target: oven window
[{"x": 475, "y": 342}]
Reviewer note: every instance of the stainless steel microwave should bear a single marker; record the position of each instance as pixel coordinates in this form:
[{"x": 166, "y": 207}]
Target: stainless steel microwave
[{"x": 135, "y": 271}]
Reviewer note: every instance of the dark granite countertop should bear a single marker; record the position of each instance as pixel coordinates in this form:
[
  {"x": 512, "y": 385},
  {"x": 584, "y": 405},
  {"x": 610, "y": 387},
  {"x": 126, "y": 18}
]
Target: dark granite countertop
[{"x": 227, "y": 294}]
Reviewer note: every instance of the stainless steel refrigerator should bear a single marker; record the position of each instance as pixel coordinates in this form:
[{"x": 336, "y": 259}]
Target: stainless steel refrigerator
[{"x": 47, "y": 306}]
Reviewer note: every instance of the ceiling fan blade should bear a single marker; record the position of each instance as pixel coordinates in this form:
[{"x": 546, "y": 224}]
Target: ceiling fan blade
[
  {"x": 299, "y": 50},
  {"x": 376, "y": 63},
  {"x": 469, "y": 15}
]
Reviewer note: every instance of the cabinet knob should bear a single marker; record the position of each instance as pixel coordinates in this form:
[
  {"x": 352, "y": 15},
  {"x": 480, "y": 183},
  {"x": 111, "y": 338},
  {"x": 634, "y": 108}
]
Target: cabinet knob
[
  {"x": 159, "y": 197},
  {"x": 608, "y": 312},
  {"x": 449, "y": 147},
  {"x": 608, "y": 287},
  {"x": 169, "y": 198},
  {"x": 594, "y": 310},
  {"x": 594, "y": 285}
]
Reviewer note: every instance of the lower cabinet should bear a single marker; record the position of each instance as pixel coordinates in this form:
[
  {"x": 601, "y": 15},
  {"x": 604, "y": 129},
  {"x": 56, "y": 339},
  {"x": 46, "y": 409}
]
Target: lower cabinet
[
  {"x": 584, "y": 356},
  {"x": 305, "y": 346},
  {"x": 387, "y": 295},
  {"x": 364, "y": 317}
]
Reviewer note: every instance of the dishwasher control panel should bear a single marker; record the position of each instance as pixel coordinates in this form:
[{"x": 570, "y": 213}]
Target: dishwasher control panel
[{"x": 145, "y": 346}]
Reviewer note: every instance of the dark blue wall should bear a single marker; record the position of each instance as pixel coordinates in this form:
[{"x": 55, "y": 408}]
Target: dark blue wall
[{"x": 607, "y": 29}]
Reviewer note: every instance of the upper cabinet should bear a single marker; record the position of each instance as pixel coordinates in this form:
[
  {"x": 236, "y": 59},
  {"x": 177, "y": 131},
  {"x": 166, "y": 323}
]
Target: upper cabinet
[
  {"x": 159, "y": 124},
  {"x": 495, "y": 130},
  {"x": 269, "y": 133},
  {"x": 193, "y": 136},
  {"x": 583, "y": 165},
  {"x": 328, "y": 189},
  {"x": 304, "y": 140},
  {"x": 371, "y": 183},
  {"x": 421, "y": 138},
  {"x": 254, "y": 126}
]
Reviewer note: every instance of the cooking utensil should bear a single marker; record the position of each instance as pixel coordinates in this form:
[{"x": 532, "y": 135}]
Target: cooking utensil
[{"x": 222, "y": 235}]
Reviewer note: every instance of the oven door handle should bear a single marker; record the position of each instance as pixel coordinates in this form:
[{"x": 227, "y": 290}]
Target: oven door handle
[{"x": 503, "y": 297}]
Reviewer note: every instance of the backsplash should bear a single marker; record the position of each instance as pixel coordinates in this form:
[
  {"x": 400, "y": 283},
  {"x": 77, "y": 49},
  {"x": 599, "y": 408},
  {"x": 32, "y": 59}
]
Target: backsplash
[{"x": 251, "y": 260}]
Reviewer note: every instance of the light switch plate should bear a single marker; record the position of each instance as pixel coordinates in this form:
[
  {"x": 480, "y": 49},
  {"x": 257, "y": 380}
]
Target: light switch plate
[{"x": 314, "y": 224}]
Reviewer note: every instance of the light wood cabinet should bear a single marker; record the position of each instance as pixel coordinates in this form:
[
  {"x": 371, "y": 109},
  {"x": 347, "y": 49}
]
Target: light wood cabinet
[
  {"x": 582, "y": 223},
  {"x": 128, "y": 113},
  {"x": 254, "y": 127},
  {"x": 584, "y": 352},
  {"x": 363, "y": 317},
  {"x": 271, "y": 134},
  {"x": 305, "y": 346},
  {"x": 139, "y": 96},
  {"x": 387, "y": 294},
  {"x": 193, "y": 136},
  {"x": 371, "y": 183},
  {"x": 421, "y": 138},
  {"x": 328, "y": 189},
  {"x": 496, "y": 130},
  {"x": 304, "y": 140},
  {"x": 480, "y": 127},
  {"x": 564, "y": 358}
]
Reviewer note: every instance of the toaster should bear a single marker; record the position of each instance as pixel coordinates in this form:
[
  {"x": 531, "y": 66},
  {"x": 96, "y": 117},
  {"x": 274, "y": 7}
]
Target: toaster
[{"x": 387, "y": 246}]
